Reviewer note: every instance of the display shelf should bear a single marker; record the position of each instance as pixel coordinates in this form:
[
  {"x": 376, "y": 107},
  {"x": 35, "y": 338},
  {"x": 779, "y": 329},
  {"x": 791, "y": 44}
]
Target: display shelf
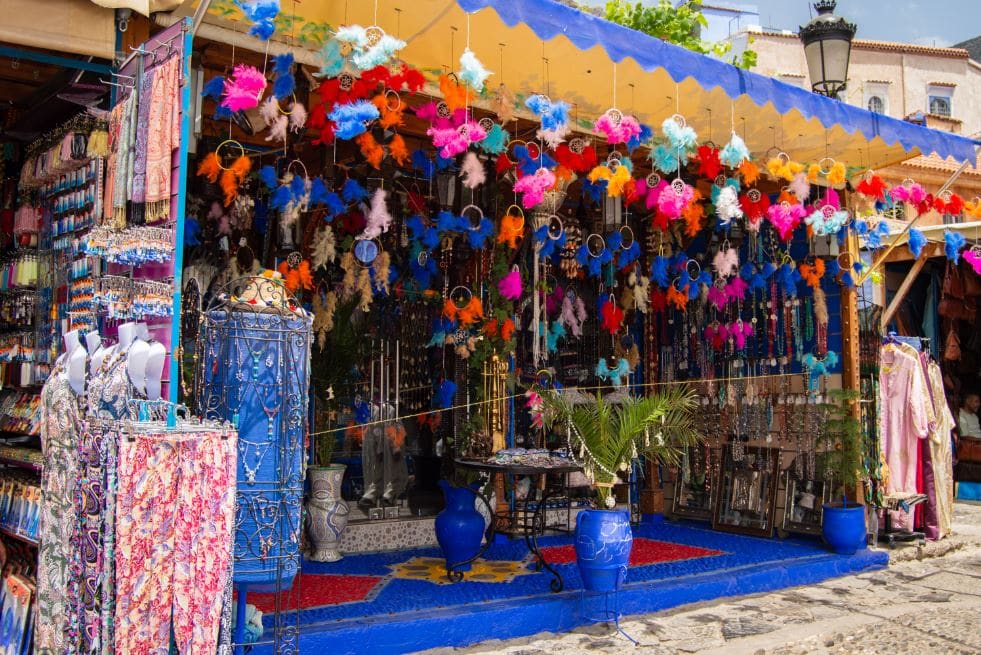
[
  {"x": 22, "y": 457},
  {"x": 18, "y": 536}
]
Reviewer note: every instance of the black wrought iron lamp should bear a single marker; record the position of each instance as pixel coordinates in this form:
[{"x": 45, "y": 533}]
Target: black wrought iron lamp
[{"x": 827, "y": 43}]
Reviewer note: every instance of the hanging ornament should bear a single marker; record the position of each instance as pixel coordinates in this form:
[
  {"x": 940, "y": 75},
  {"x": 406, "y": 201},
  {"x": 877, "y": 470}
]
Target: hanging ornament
[
  {"x": 533, "y": 187},
  {"x": 472, "y": 71},
  {"x": 735, "y": 153},
  {"x": 244, "y": 88},
  {"x": 509, "y": 286},
  {"x": 512, "y": 226},
  {"x": 617, "y": 126}
]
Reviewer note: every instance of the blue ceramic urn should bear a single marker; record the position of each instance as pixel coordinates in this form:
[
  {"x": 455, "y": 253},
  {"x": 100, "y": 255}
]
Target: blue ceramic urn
[
  {"x": 603, "y": 542},
  {"x": 459, "y": 527}
]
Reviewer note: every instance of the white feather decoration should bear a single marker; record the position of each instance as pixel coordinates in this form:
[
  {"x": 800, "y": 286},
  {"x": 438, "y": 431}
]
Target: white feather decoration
[
  {"x": 800, "y": 187},
  {"x": 277, "y": 131},
  {"x": 378, "y": 217},
  {"x": 581, "y": 310},
  {"x": 324, "y": 248},
  {"x": 726, "y": 262},
  {"x": 269, "y": 110},
  {"x": 727, "y": 205},
  {"x": 642, "y": 293},
  {"x": 553, "y": 137},
  {"x": 472, "y": 171},
  {"x": 298, "y": 117}
]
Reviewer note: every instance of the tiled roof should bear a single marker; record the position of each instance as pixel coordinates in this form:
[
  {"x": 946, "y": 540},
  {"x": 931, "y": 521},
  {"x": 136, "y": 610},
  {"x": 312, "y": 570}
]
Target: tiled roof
[
  {"x": 871, "y": 44},
  {"x": 973, "y": 47},
  {"x": 935, "y": 163}
]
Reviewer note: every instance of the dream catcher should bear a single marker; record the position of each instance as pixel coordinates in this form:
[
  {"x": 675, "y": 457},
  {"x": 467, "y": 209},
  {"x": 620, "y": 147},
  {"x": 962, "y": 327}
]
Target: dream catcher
[{"x": 226, "y": 169}]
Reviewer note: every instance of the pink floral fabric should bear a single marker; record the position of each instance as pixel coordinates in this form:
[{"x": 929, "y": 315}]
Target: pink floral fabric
[{"x": 174, "y": 522}]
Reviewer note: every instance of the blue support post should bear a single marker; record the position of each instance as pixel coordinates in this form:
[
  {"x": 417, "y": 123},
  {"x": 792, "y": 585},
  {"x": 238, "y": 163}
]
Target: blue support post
[{"x": 54, "y": 60}]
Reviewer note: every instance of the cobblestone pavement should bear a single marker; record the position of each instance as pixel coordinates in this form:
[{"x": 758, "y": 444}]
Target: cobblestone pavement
[{"x": 927, "y": 602}]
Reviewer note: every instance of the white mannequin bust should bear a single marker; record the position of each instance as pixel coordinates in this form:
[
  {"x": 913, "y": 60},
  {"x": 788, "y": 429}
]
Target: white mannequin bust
[
  {"x": 154, "y": 370},
  {"x": 143, "y": 331},
  {"x": 71, "y": 339},
  {"x": 93, "y": 344},
  {"x": 136, "y": 360},
  {"x": 76, "y": 367},
  {"x": 127, "y": 333}
]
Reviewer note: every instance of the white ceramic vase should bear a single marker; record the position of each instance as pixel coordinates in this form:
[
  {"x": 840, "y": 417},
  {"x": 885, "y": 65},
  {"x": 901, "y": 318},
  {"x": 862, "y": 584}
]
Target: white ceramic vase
[{"x": 327, "y": 512}]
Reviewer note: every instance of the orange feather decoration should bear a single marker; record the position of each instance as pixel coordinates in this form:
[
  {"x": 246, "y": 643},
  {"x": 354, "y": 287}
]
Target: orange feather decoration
[
  {"x": 210, "y": 167},
  {"x": 787, "y": 197},
  {"x": 490, "y": 328},
  {"x": 512, "y": 229},
  {"x": 372, "y": 152},
  {"x": 473, "y": 312},
  {"x": 455, "y": 95},
  {"x": 388, "y": 117},
  {"x": 233, "y": 176},
  {"x": 507, "y": 329},
  {"x": 812, "y": 273},
  {"x": 750, "y": 172},
  {"x": 694, "y": 215},
  {"x": 450, "y": 310},
  {"x": 398, "y": 150},
  {"x": 677, "y": 298}
]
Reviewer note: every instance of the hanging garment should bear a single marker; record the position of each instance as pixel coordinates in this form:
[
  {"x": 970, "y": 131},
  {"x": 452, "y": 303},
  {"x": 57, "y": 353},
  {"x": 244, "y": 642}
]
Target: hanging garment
[
  {"x": 904, "y": 420},
  {"x": 56, "y": 629},
  {"x": 142, "y": 136},
  {"x": 174, "y": 523},
  {"x": 163, "y": 137},
  {"x": 941, "y": 462}
]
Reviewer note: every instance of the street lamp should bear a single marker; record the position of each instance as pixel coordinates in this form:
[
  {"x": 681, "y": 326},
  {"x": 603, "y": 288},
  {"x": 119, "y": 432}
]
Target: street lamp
[{"x": 827, "y": 43}]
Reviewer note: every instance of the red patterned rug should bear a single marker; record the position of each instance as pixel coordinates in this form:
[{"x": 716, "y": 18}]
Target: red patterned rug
[
  {"x": 312, "y": 590},
  {"x": 644, "y": 552}
]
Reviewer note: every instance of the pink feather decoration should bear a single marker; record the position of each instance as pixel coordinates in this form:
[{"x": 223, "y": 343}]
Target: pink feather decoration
[
  {"x": 726, "y": 262},
  {"x": 244, "y": 88},
  {"x": 800, "y": 187},
  {"x": 785, "y": 218},
  {"x": 379, "y": 219},
  {"x": 534, "y": 187},
  {"x": 831, "y": 198},
  {"x": 454, "y": 140},
  {"x": 717, "y": 297},
  {"x": 739, "y": 331},
  {"x": 580, "y": 313},
  {"x": 653, "y": 193},
  {"x": 567, "y": 317},
  {"x": 298, "y": 117},
  {"x": 554, "y": 300},
  {"x": 269, "y": 110},
  {"x": 510, "y": 285},
  {"x": 672, "y": 204},
  {"x": 277, "y": 130},
  {"x": 974, "y": 259},
  {"x": 621, "y": 132},
  {"x": 472, "y": 171},
  {"x": 913, "y": 194},
  {"x": 736, "y": 289}
]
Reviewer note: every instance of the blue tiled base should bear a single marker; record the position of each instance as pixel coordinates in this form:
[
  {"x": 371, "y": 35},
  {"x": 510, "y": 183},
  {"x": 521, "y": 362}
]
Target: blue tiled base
[
  {"x": 408, "y": 616},
  {"x": 969, "y": 491}
]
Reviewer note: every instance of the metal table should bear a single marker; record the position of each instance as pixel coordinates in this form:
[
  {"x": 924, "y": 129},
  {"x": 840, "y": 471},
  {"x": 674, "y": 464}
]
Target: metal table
[{"x": 532, "y": 527}]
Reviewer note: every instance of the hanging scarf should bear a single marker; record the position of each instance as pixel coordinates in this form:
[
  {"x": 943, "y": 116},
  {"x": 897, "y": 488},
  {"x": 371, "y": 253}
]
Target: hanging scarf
[
  {"x": 112, "y": 163},
  {"x": 122, "y": 185},
  {"x": 144, "y": 103},
  {"x": 163, "y": 138}
]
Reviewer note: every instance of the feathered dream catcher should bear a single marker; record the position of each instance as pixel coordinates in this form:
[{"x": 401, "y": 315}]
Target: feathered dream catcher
[
  {"x": 324, "y": 308},
  {"x": 472, "y": 71},
  {"x": 463, "y": 307},
  {"x": 973, "y": 257},
  {"x": 512, "y": 227},
  {"x": 755, "y": 206},
  {"x": 533, "y": 187},
  {"x": 782, "y": 167},
  {"x": 243, "y": 89},
  {"x": 785, "y": 218},
  {"x": 554, "y": 117},
  {"x": 818, "y": 367},
  {"x": 617, "y": 126},
  {"x": 212, "y": 167},
  {"x": 735, "y": 153},
  {"x": 828, "y": 217},
  {"x": 296, "y": 273},
  {"x": 593, "y": 255},
  {"x": 617, "y": 376}
]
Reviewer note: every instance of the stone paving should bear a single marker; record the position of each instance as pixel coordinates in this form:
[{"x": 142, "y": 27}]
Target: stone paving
[{"x": 927, "y": 602}]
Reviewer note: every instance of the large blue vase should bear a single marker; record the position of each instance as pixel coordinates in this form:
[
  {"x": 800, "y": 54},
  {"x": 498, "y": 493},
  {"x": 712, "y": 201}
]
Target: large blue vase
[
  {"x": 603, "y": 542},
  {"x": 843, "y": 527},
  {"x": 459, "y": 527}
]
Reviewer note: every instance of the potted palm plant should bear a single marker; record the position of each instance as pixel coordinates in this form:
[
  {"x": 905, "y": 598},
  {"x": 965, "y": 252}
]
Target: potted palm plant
[
  {"x": 605, "y": 438},
  {"x": 840, "y": 440}
]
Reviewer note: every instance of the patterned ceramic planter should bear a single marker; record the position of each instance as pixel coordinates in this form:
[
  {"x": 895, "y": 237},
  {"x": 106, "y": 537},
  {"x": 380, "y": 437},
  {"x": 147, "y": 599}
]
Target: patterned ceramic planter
[{"x": 327, "y": 512}]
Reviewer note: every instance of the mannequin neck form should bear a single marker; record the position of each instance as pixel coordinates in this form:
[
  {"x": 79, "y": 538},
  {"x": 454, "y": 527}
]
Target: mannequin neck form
[
  {"x": 73, "y": 339},
  {"x": 127, "y": 332},
  {"x": 143, "y": 331},
  {"x": 92, "y": 341},
  {"x": 136, "y": 364},
  {"x": 76, "y": 369},
  {"x": 98, "y": 358},
  {"x": 154, "y": 370}
]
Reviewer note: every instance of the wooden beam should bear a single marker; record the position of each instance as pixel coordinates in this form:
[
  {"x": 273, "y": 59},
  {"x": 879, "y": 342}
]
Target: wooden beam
[
  {"x": 903, "y": 290},
  {"x": 932, "y": 249},
  {"x": 849, "y": 328}
]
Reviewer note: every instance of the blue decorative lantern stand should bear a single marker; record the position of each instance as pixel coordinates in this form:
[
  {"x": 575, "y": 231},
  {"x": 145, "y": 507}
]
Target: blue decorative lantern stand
[{"x": 253, "y": 369}]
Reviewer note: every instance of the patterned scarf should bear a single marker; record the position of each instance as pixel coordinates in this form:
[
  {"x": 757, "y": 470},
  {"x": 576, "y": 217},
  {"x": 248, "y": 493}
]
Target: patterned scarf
[{"x": 163, "y": 133}]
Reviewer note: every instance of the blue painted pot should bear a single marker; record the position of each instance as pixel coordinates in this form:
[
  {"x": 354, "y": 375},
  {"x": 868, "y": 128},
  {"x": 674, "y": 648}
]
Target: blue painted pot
[
  {"x": 843, "y": 527},
  {"x": 459, "y": 527},
  {"x": 603, "y": 542}
]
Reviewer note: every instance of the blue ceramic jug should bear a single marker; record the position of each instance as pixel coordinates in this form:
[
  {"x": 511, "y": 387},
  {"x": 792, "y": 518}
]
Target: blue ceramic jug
[
  {"x": 459, "y": 527},
  {"x": 603, "y": 543}
]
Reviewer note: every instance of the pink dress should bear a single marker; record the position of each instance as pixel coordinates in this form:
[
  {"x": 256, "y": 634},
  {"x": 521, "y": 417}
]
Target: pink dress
[{"x": 904, "y": 421}]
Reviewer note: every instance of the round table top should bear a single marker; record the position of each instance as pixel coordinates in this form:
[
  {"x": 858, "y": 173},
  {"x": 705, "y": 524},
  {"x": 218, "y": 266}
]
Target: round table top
[{"x": 516, "y": 469}]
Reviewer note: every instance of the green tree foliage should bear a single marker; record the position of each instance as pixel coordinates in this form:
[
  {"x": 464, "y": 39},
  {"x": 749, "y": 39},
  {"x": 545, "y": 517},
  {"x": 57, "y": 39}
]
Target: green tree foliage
[{"x": 677, "y": 25}]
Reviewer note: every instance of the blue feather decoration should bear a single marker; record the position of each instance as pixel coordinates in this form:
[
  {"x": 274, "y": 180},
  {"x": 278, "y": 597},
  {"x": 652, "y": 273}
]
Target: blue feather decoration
[
  {"x": 352, "y": 191},
  {"x": 634, "y": 142},
  {"x": 214, "y": 88},
  {"x": 756, "y": 282},
  {"x": 262, "y": 14},
  {"x": 704, "y": 278},
  {"x": 659, "y": 272},
  {"x": 333, "y": 60},
  {"x": 832, "y": 269},
  {"x": 593, "y": 190},
  {"x": 785, "y": 278},
  {"x": 351, "y": 118},
  {"x": 847, "y": 280},
  {"x": 614, "y": 241},
  {"x": 191, "y": 231},
  {"x": 423, "y": 275},
  {"x": 298, "y": 187},
  {"x": 552, "y": 247},
  {"x": 629, "y": 256},
  {"x": 444, "y": 163},
  {"x": 680, "y": 138},
  {"x": 443, "y": 398},
  {"x": 478, "y": 238},
  {"x": 495, "y": 142},
  {"x": 421, "y": 162},
  {"x": 953, "y": 243},
  {"x": 281, "y": 197},
  {"x": 284, "y": 84},
  {"x": 222, "y": 113},
  {"x": 746, "y": 270},
  {"x": 556, "y": 332},
  {"x": 554, "y": 115},
  {"x": 334, "y": 204},
  {"x": 768, "y": 270},
  {"x": 318, "y": 192},
  {"x": 735, "y": 152},
  {"x": 448, "y": 223},
  {"x": 664, "y": 159},
  {"x": 916, "y": 242},
  {"x": 267, "y": 175}
]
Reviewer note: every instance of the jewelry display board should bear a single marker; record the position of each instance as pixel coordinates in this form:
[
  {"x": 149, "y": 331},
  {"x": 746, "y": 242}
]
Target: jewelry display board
[
  {"x": 747, "y": 489},
  {"x": 254, "y": 370},
  {"x": 693, "y": 486},
  {"x": 803, "y": 505}
]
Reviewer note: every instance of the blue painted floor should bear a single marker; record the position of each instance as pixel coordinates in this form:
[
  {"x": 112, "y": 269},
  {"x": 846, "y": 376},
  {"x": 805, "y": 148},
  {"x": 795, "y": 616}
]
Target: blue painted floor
[{"x": 358, "y": 606}]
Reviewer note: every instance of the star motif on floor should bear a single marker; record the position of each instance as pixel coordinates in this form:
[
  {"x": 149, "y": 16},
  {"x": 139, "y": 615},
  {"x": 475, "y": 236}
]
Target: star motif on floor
[{"x": 433, "y": 569}]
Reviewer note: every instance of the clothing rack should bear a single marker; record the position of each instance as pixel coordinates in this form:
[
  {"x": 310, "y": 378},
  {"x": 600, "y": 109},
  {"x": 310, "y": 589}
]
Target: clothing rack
[{"x": 84, "y": 121}]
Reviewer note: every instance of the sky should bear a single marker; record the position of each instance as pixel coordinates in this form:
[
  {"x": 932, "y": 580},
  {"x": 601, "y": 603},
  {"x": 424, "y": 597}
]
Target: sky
[{"x": 925, "y": 22}]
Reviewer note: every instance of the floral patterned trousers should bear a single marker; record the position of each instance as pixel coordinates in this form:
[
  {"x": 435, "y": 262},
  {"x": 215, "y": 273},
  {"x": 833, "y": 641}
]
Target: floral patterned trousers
[{"x": 174, "y": 522}]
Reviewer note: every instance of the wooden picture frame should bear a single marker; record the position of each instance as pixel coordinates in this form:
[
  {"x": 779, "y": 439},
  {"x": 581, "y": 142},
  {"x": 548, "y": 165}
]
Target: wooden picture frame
[
  {"x": 695, "y": 504},
  {"x": 746, "y": 491}
]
